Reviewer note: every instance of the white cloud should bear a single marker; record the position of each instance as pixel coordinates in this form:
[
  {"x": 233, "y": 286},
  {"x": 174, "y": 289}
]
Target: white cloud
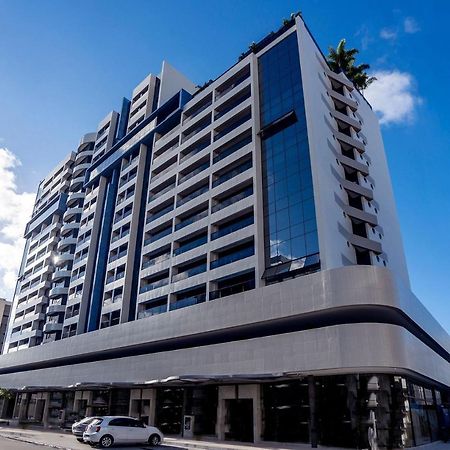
[
  {"x": 410, "y": 25},
  {"x": 388, "y": 34},
  {"x": 15, "y": 211},
  {"x": 392, "y": 96}
]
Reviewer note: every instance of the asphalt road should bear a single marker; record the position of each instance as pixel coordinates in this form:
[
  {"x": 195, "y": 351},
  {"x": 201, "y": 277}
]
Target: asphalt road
[{"x": 9, "y": 444}]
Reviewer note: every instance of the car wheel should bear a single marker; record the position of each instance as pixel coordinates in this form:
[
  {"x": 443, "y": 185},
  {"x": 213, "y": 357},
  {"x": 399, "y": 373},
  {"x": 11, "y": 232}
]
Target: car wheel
[
  {"x": 106, "y": 441},
  {"x": 80, "y": 439},
  {"x": 154, "y": 440}
]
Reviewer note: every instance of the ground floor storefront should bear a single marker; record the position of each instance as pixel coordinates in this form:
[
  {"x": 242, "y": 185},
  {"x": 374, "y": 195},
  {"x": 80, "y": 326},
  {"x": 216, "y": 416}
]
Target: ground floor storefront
[{"x": 338, "y": 411}]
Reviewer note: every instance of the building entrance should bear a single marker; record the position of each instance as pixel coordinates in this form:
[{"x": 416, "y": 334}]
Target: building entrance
[{"x": 239, "y": 420}]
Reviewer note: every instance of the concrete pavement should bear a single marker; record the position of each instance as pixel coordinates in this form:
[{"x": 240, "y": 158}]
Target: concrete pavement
[{"x": 27, "y": 439}]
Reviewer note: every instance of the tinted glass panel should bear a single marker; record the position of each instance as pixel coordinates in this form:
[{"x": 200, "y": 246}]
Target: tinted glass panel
[{"x": 290, "y": 220}]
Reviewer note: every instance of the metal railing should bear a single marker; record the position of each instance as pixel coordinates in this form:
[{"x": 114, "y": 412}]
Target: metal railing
[
  {"x": 235, "y": 226},
  {"x": 233, "y": 257},
  {"x": 232, "y": 173},
  {"x": 190, "y": 246},
  {"x": 188, "y": 301}
]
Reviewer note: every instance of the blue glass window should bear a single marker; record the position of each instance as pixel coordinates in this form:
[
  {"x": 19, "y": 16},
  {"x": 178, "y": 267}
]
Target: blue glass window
[{"x": 290, "y": 221}]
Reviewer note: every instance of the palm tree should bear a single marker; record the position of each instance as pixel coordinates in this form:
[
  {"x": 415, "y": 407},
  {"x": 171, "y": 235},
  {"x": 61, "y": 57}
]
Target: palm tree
[{"x": 343, "y": 60}]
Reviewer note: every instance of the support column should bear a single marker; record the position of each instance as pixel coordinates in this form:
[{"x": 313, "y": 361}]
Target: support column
[{"x": 312, "y": 412}]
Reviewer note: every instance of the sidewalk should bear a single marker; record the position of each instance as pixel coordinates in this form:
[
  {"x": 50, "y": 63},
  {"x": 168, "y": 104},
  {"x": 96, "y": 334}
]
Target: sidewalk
[{"x": 59, "y": 439}]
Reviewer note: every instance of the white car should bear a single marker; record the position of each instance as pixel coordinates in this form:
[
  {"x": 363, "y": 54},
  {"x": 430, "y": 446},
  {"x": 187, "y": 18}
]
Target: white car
[
  {"x": 110, "y": 430},
  {"x": 78, "y": 428}
]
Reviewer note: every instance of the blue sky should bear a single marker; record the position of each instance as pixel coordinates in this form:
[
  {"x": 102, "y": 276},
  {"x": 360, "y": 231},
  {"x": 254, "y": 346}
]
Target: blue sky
[{"x": 65, "y": 64}]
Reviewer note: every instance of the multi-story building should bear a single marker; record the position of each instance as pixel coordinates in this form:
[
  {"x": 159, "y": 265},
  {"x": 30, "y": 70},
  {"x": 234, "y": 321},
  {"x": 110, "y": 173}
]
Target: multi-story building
[
  {"x": 5, "y": 310},
  {"x": 234, "y": 256}
]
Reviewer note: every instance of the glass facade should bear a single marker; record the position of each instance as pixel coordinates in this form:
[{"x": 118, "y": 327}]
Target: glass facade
[{"x": 290, "y": 221}]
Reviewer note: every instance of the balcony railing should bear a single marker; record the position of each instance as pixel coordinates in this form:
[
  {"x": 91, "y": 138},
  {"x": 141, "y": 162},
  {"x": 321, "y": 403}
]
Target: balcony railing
[
  {"x": 160, "y": 213},
  {"x": 153, "y": 261},
  {"x": 198, "y": 128},
  {"x": 189, "y": 273},
  {"x": 191, "y": 219},
  {"x": 233, "y": 104},
  {"x": 197, "y": 149},
  {"x": 239, "y": 225},
  {"x": 157, "y": 236},
  {"x": 122, "y": 216},
  {"x": 232, "y": 126},
  {"x": 233, "y": 289},
  {"x": 116, "y": 277},
  {"x": 233, "y": 257},
  {"x": 189, "y": 175},
  {"x": 117, "y": 256},
  {"x": 236, "y": 82},
  {"x": 152, "y": 311},
  {"x": 190, "y": 246},
  {"x": 232, "y": 173},
  {"x": 120, "y": 236},
  {"x": 234, "y": 199},
  {"x": 232, "y": 149},
  {"x": 161, "y": 192},
  {"x": 155, "y": 285},
  {"x": 197, "y": 112},
  {"x": 192, "y": 195},
  {"x": 123, "y": 182},
  {"x": 188, "y": 301}
]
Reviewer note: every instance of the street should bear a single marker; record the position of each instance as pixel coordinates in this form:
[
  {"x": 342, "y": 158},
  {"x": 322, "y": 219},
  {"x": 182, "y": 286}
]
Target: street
[{"x": 9, "y": 444}]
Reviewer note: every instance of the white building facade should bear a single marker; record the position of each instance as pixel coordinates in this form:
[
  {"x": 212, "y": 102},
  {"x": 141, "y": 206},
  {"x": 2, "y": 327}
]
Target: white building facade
[{"x": 231, "y": 253}]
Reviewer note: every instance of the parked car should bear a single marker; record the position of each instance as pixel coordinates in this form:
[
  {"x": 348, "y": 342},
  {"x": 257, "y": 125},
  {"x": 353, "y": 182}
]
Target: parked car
[
  {"x": 78, "y": 428},
  {"x": 109, "y": 430}
]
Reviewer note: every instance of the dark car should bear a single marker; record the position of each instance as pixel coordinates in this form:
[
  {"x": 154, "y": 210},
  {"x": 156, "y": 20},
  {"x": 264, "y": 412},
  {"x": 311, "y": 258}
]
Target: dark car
[{"x": 78, "y": 428}]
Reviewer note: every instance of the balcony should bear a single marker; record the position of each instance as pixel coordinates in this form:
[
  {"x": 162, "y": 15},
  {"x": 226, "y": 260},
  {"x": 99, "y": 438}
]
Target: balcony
[
  {"x": 154, "y": 261},
  {"x": 63, "y": 273},
  {"x": 119, "y": 236},
  {"x": 198, "y": 110},
  {"x": 232, "y": 149},
  {"x": 233, "y": 257},
  {"x": 192, "y": 195},
  {"x": 152, "y": 311},
  {"x": 234, "y": 199},
  {"x": 58, "y": 291},
  {"x": 233, "y": 289},
  {"x": 188, "y": 301},
  {"x": 68, "y": 227},
  {"x": 232, "y": 173},
  {"x": 158, "y": 235},
  {"x": 182, "y": 178},
  {"x": 232, "y": 103},
  {"x": 191, "y": 245},
  {"x": 190, "y": 220},
  {"x": 232, "y": 227},
  {"x": 117, "y": 256},
  {"x": 197, "y": 128},
  {"x": 116, "y": 277},
  {"x": 153, "y": 286},
  {"x": 74, "y": 197},
  {"x": 189, "y": 273},
  {"x": 52, "y": 327},
  {"x": 158, "y": 175},
  {"x": 191, "y": 151},
  {"x": 55, "y": 309},
  {"x": 231, "y": 125},
  {"x": 120, "y": 217},
  {"x": 160, "y": 213},
  {"x": 161, "y": 192},
  {"x": 229, "y": 85}
]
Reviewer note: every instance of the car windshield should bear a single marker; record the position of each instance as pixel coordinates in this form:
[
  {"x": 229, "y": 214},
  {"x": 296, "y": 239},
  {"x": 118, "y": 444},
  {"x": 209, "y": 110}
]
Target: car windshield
[
  {"x": 86, "y": 420},
  {"x": 96, "y": 421}
]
